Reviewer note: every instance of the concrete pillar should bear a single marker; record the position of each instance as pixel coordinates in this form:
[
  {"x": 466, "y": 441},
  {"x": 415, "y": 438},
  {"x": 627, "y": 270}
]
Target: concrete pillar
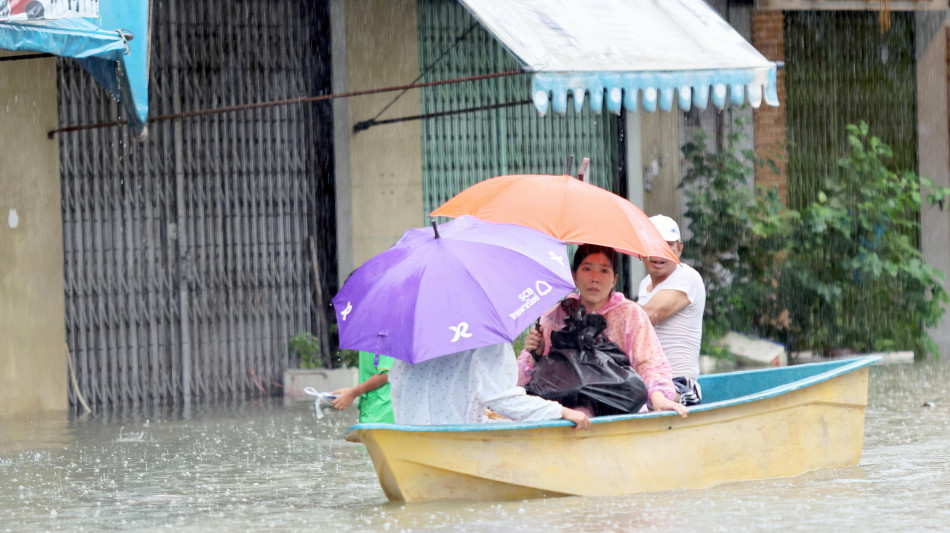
[
  {"x": 660, "y": 156},
  {"x": 379, "y": 170},
  {"x": 32, "y": 315},
  {"x": 933, "y": 147},
  {"x": 633, "y": 139}
]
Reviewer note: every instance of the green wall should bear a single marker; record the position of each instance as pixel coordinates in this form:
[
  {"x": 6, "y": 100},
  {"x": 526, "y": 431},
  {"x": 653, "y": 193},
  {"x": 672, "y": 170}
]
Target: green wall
[{"x": 460, "y": 150}]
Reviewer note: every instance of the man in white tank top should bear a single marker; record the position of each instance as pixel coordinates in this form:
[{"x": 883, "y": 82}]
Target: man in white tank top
[{"x": 674, "y": 297}]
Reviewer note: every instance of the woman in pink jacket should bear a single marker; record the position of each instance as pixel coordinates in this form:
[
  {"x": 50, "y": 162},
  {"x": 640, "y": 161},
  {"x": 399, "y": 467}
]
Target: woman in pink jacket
[{"x": 628, "y": 326}]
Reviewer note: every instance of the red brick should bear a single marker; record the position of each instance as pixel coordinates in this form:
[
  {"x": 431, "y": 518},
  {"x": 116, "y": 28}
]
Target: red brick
[{"x": 768, "y": 36}]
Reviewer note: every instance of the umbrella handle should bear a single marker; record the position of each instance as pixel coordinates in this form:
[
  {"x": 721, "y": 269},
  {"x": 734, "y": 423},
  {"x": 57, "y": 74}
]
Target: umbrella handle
[{"x": 537, "y": 327}]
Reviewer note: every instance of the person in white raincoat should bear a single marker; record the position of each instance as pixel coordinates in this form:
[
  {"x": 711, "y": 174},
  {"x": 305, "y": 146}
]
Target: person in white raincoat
[{"x": 458, "y": 388}]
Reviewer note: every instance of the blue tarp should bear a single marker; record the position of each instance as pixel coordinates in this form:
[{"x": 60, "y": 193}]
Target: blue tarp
[
  {"x": 629, "y": 53},
  {"x": 119, "y": 65}
]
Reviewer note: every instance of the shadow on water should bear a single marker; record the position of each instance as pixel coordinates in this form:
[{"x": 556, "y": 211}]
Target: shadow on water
[{"x": 264, "y": 465}]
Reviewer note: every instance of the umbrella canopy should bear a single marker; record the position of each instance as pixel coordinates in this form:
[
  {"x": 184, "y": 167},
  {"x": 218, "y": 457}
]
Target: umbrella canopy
[
  {"x": 463, "y": 285},
  {"x": 563, "y": 207}
]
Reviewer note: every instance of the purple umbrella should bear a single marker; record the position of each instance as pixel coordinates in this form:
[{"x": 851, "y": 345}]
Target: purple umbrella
[{"x": 462, "y": 285}]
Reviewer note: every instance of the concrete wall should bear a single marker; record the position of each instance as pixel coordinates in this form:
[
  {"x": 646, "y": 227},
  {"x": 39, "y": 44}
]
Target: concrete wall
[
  {"x": 933, "y": 141},
  {"x": 654, "y": 155},
  {"x": 379, "y": 170},
  {"x": 32, "y": 319},
  {"x": 660, "y": 137}
]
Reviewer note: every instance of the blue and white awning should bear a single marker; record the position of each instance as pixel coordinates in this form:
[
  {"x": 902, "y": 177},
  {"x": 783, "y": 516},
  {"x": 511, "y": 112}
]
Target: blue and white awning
[
  {"x": 113, "y": 47},
  {"x": 631, "y": 53}
]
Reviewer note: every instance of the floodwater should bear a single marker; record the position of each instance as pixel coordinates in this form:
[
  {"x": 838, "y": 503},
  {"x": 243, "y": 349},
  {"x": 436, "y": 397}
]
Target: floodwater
[{"x": 264, "y": 465}]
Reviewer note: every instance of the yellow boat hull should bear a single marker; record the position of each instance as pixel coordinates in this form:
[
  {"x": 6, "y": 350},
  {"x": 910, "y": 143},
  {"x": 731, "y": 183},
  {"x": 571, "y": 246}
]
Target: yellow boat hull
[{"x": 771, "y": 433}]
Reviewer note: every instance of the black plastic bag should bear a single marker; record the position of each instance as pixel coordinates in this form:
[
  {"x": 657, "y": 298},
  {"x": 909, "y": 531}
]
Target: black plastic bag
[{"x": 585, "y": 369}]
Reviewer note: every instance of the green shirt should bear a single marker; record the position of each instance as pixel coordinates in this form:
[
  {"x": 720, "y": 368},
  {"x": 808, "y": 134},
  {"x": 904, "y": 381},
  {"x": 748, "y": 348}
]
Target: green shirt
[{"x": 376, "y": 405}]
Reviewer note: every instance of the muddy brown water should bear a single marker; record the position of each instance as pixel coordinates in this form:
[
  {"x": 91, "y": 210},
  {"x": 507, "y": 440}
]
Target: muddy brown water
[{"x": 267, "y": 466}]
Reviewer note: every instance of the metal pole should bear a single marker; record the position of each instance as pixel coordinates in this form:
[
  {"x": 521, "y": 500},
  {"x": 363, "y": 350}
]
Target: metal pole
[{"x": 180, "y": 223}]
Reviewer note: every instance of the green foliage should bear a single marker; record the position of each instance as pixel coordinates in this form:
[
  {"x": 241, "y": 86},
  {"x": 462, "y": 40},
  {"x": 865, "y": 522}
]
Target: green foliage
[
  {"x": 853, "y": 274},
  {"x": 736, "y": 230},
  {"x": 307, "y": 348},
  {"x": 844, "y": 272},
  {"x": 347, "y": 358}
]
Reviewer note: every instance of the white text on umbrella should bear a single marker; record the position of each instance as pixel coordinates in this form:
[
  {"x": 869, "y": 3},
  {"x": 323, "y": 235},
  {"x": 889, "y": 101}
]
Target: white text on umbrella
[
  {"x": 556, "y": 257},
  {"x": 343, "y": 313},
  {"x": 529, "y": 297}
]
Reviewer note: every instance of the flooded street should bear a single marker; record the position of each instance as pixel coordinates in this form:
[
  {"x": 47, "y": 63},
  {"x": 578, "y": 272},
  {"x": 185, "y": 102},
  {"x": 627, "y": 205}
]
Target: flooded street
[
  {"x": 267, "y": 466},
  {"x": 199, "y": 196}
]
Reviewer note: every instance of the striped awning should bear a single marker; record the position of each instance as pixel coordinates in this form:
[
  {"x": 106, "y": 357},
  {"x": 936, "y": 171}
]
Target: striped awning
[{"x": 630, "y": 53}]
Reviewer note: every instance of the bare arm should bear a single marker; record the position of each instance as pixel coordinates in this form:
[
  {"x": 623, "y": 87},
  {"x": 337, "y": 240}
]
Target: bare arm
[
  {"x": 580, "y": 419},
  {"x": 662, "y": 403},
  {"x": 346, "y": 396},
  {"x": 665, "y": 304}
]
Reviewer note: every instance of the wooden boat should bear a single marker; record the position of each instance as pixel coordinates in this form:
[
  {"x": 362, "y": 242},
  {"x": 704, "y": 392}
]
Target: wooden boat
[{"x": 754, "y": 424}]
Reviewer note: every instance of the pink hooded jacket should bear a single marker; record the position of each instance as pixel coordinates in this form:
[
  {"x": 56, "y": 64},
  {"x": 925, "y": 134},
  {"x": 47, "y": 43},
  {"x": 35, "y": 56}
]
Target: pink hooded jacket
[{"x": 629, "y": 327}]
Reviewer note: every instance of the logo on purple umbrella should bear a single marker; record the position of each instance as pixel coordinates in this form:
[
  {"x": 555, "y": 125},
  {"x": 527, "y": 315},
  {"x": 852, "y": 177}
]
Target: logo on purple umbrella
[
  {"x": 542, "y": 287},
  {"x": 460, "y": 331},
  {"x": 556, "y": 257},
  {"x": 529, "y": 297},
  {"x": 343, "y": 313}
]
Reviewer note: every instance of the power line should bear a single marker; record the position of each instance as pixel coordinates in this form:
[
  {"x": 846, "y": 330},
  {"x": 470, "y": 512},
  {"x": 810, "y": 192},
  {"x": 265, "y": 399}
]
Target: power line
[{"x": 291, "y": 101}]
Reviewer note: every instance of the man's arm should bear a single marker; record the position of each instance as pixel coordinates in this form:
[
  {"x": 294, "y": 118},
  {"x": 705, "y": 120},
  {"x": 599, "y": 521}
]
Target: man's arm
[{"x": 665, "y": 304}]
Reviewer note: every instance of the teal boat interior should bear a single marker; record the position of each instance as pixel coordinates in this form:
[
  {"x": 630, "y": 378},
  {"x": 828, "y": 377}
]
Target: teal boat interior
[
  {"x": 719, "y": 391},
  {"x": 765, "y": 382}
]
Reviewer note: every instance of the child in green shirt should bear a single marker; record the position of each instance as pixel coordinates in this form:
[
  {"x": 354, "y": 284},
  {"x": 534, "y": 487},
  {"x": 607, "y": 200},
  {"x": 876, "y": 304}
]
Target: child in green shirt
[{"x": 375, "y": 403}]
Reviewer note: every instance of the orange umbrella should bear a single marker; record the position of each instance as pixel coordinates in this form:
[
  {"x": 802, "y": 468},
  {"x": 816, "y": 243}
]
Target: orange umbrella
[{"x": 564, "y": 207}]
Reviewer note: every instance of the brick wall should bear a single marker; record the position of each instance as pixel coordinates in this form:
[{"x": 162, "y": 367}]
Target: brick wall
[{"x": 768, "y": 36}]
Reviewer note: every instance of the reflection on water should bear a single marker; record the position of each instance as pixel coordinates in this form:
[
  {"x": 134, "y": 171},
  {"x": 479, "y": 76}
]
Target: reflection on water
[
  {"x": 19, "y": 435},
  {"x": 266, "y": 466}
]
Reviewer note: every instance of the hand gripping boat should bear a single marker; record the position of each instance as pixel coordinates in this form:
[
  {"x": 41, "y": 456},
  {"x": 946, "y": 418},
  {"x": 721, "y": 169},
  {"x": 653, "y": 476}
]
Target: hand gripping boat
[{"x": 753, "y": 424}]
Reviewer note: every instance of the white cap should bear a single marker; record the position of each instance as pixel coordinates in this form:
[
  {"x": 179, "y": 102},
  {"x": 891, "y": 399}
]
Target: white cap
[{"x": 669, "y": 229}]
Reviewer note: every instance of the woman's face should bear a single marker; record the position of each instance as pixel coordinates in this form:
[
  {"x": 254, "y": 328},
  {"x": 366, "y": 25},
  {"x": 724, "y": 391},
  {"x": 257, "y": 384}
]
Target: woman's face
[{"x": 595, "y": 279}]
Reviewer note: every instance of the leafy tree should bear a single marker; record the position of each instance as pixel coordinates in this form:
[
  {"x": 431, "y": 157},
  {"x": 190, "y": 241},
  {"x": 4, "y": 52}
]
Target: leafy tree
[
  {"x": 853, "y": 276},
  {"x": 737, "y": 233},
  {"x": 844, "y": 272},
  {"x": 307, "y": 348}
]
